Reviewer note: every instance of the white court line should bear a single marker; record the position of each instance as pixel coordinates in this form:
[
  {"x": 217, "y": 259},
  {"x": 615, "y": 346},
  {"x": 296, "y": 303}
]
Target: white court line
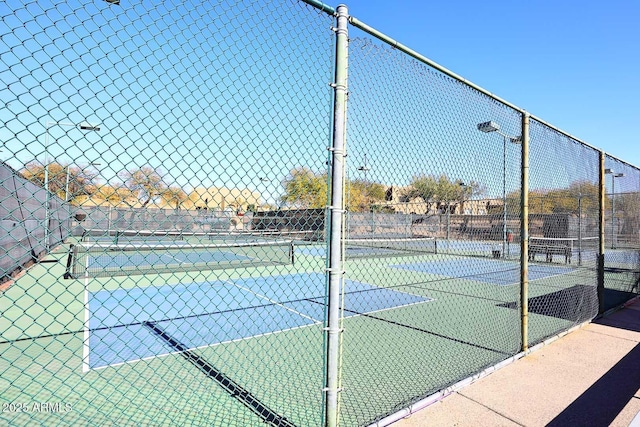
[
  {"x": 273, "y": 302},
  {"x": 426, "y": 299},
  {"x": 126, "y": 362},
  {"x": 375, "y": 288},
  {"x": 315, "y": 323},
  {"x": 171, "y": 257}
]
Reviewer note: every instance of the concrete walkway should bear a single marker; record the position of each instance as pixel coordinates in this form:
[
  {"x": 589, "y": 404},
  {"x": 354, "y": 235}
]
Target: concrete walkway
[{"x": 590, "y": 377}]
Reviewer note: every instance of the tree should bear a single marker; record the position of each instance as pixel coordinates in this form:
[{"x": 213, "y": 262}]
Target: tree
[
  {"x": 145, "y": 183},
  {"x": 364, "y": 195},
  {"x": 441, "y": 191},
  {"x": 628, "y": 209},
  {"x": 305, "y": 189},
  {"x": 580, "y": 197},
  {"x": 81, "y": 181},
  {"x": 174, "y": 196},
  {"x": 64, "y": 180},
  {"x": 115, "y": 195}
]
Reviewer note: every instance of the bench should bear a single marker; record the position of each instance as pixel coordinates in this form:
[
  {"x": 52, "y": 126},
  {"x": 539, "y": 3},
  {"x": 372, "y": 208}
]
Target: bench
[{"x": 550, "y": 249}]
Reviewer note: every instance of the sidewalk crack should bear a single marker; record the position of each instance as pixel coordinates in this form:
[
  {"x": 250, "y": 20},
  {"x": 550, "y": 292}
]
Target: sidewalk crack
[
  {"x": 610, "y": 335},
  {"x": 492, "y": 410}
]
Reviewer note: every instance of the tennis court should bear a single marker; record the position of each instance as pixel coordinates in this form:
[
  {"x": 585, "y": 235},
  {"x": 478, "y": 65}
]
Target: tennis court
[
  {"x": 194, "y": 320},
  {"x": 124, "y": 324},
  {"x": 172, "y": 224},
  {"x": 501, "y": 273}
]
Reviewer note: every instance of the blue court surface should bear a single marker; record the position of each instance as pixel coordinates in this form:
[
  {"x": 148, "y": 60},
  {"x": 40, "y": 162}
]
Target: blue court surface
[
  {"x": 132, "y": 324},
  {"x": 500, "y": 273}
]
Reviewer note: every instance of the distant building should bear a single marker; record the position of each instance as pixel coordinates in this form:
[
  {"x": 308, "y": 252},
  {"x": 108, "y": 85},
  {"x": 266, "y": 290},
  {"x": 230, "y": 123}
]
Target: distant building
[
  {"x": 398, "y": 202},
  {"x": 214, "y": 198}
]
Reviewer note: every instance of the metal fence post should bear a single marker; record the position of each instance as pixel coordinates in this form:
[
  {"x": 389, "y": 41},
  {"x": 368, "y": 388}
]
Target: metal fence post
[
  {"x": 335, "y": 270},
  {"x": 601, "y": 225},
  {"x": 524, "y": 233}
]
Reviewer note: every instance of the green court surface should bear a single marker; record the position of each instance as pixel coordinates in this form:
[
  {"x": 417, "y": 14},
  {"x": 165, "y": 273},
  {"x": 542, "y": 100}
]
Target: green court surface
[{"x": 390, "y": 357}]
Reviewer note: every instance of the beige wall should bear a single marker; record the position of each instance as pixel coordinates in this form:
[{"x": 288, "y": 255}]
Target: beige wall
[{"x": 222, "y": 198}]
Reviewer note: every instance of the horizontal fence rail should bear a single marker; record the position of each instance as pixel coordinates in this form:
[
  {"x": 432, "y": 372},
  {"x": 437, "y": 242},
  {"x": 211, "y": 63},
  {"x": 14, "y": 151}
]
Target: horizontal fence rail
[{"x": 244, "y": 213}]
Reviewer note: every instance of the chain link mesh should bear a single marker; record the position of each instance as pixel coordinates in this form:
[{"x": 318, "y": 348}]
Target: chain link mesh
[
  {"x": 563, "y": 229},
  {"x": 422, "y": 175},
  {"x": 164, "y": 192},
  {"x": 621, "y": 232},
  {"x": 166, "y": 134}
]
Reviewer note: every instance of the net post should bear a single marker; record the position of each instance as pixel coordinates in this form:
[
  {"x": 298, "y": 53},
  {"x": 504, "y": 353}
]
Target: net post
[
  {"x": 335, "y": 271},
  {"x": 601, "y": 230},
  {"x": 524, "y": 233},
  {"x": 67, "y": 272}
]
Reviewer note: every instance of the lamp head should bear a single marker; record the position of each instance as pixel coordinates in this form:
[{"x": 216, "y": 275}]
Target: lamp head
[{"x": 488, "y": 127}]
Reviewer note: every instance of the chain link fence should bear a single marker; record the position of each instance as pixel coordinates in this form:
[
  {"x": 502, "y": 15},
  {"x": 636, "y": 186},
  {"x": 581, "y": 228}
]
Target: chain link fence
[
  {"x": 164, "y": 129},
  {"x": 564, "y": 233},
  {"x": 450, "y": 272},
  {"x": 188, "y": 237},
  {"x": 621, "y": 232}
]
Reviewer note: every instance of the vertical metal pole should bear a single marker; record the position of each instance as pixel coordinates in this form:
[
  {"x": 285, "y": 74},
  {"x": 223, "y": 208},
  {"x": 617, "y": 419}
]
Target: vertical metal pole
[
  {"x": 601, "y": 232},
  {"x": 46, "y": 188},
  {"x": 109, "y": 221},
  {"x": 580, "y": 228},
  {"x": 524, "y": 233},
  {"x": 335, "y": 270},
  {"x": 504, "y": 196},
  {"x": 66, "y": 186},
  {"x": 448, "y": 222},
  {"x": 613, "y": 211}
]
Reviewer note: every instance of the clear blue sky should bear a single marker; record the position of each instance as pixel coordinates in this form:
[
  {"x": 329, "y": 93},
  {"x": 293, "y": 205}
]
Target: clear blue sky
[
  {"x": 236, "y": 95},
  {"x": 571, "y": 63}
]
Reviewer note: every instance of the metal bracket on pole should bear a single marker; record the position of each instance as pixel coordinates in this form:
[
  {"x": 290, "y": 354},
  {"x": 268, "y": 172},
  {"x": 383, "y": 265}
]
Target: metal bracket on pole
[{"x": 339, "y": 152}]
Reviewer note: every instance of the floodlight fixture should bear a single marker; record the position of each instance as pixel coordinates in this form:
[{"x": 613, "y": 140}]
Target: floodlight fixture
[
  {"x": 488, "y": 127},
  {"x": 365, "y": 167},
  {"x": 89, "y": 126}
]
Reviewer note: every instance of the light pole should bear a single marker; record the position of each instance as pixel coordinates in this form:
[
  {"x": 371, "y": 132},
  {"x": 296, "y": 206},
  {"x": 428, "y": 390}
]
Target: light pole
[
  {"x": 266, "y": 182},
  {"x": 365, "y": 168},
  {"x": 488, "y": 127},
  {"x": 580, "y": 227},
  {"x": 613, "y": 204},
  {"x": 82, "y": 126}
]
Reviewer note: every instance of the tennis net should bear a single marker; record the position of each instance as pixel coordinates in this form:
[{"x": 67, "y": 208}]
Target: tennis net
[
  {"x": 107, "y": 259},
  {"x": 132, "y": 236},
  {"x": 268, "y": 235},
  {"x": 376, "y": 248}
]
